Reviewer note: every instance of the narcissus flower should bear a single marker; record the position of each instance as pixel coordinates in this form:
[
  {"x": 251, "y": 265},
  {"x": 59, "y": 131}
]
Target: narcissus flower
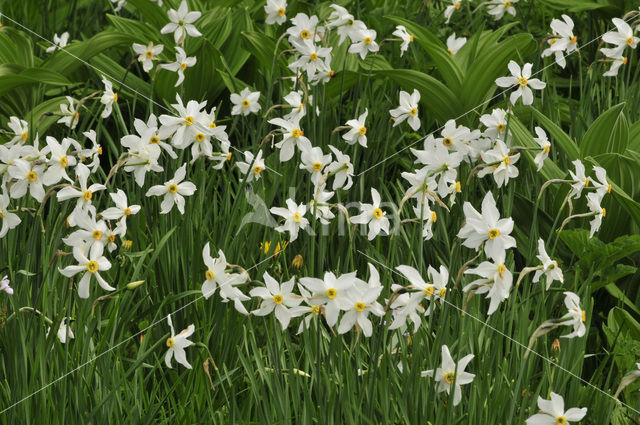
[
  {"x": 552, "y": 412},
  {"x": 257, "y": 168},
  {"x": 91, "y": 266},
  {"x": 616, "y": 63},
  {"x": 593, "y": 202},
  {"x": 313, "y": 160},
  {"x": 69, "y": 114},
  {"x": 58, "y": 161},
  {"x": 622, "y": 38},
  {"x": 373, "y": 215},
  {"x": 358, "y": 131},
  {"x": 20, "y": 130},
  {"x": 64, "y": 332},
  {"x": 174, "y": 191},
  {"x": 448, "y": 12},
  {"x": 294, "y": 218},
  {"x": 562, "y": 40},
  {"x": 580, "y": 180},
  {"x": 28, "y": 177},
  {"x": 575, "y": 316},
  {"x": 292, "y": 136},
  {"x": 276, "y": 298},
  {"x": 362, "y": 301},
  {"x": 487, "y": 227},
  {"x": 147, "y": 54},
  {"x": 408, "y": 110},
  {"x": 58, "y": 42},
  {"x": 342, "y": 170},
  {"x": 304, "y": 27},
  {"x": 522, "y": 79},
  {"x": 500, "y": 163},
  {"x": 499, "y": 7},
  {"x": 8, "y": 220},
  {"x": 276, "y": 11},
  {"x": 177, "y": 344},
  {"x": 454, "y": 44},
  {"x": 181, "y": 23},
  {"x": 495, "y": 281},
  {"x": 215, "y": 274},
  {"x": 180, "y": 65},
  {"x": 366, "y": 43},
  {"x": 545, "y": 147},
  {"x": 122, "y": 210},
  {"x": 549, "y": 269},
  {"x": 406, "y": 38},
  {"x": 451, "y": 375},
  {"x": 496, "y": 124},
  {"x": 245, "y": 103},
  {"x": 108, "y": 98},
  {"x": 330, "y": 292}
]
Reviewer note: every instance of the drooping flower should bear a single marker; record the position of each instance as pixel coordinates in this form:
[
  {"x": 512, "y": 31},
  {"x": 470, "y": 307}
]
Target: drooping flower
[
  {"x": 8, "y": 219},
  {"x": 522, "y": 79},
  {"x": 58, "y": 42},
  {"x": 593, "y": 202},
  {"x": 342, "y": 170},
  {"x": 69, "y": 114},
  {"x": 448, "y": 12},
  {"x": 499, "y": 7},
  {"x": 580, "y": 180},
  {"x": 177, "y": 344},
  {"x": 406, "y": 38},
  {"x": 215, "y": 274},
  {"x": 108, "y": 98},
  {"x": 545, "y": 147},
  {"x": 451, "y": 374},
  {"x": 575, "y": 316}
]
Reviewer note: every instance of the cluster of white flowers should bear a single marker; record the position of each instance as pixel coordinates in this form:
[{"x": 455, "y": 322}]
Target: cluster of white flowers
[
  {"x": 599, "y": 187},
  {"x": 621, "y": 39}
]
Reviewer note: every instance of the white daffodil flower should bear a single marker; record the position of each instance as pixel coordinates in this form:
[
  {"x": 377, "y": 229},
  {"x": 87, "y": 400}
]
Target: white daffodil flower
[
  {"x": 373, "y": 216},
  {"x": 362, "y": 301},
  {"x": 147, "y": 54},
  {"x": 4, "y": 286},
  {"x": 143, "y": 159},
  {"x": 621, "y": 39},
  {"x": 331, "y": 293},
  {"x": 108, "y": 98},
  {"x": 456, "y": 137},
  {"x": 616, "y": 63},
  {"x": 245, "y": 103},
  {"x": 185, "y": 128},
  {"x": 545, "y": 147},
  {"x": 498, "y": 8},
  {"x": 64, "y": 332},
  {"x": 276, "y": 11},
  {"x": 313, "y": 160},
  {"x": 276, "y": 298},
  {"x": 292, "y": 136},
  {"x": 406, "y": 38},
  {"x": 28, "y": 177},
  {"x": 422, "y": 187},
  {"x": 309, "y": 56},
  {"x": 580, "y": 180},
  {"x": 342, "y": 170},
  {"x": 58, "y": 161},
  {"x": 552, "y": 412},
  {"x": 70, "y": 116},
  {"x": 454, "y": 44},
  {"x": 448, "y": 11},
  {"x": 593, "y": 202},
  {"x": 91, "y": 266},
  {"x": 439, "y": 163},
  {"x": 309, "y": 311},
  {"x": 562, "y": 41},
  {"x": 366, "y": 42},
  {"x": 89, "y": 231},
  {"x": 600, "y": 182},
  {"x": 180, "y": 65},
  {"x": 177, "y": 344},
  {"x": 215, "y": 274},
  {"x": 320, "y": 208},
  {"x": 229, "y": 292},
  {"x": 496, "y": 124},
  {"x": 450, "y": 374},
  {"x": 496, "y": 281},
  {"x": 550, "y": 269},
  {"x": 408, "y": 110},
  {"x": 428, "y": 217},
  {"x": 8, "y": 220},
  {"x": 294, "y": 218},
  {"x": 181, "y": 23},
  {"x": 174, "y": 191},
  {"x": 20, "y": 130},
  {"x": 58, "y": 42},
  {"x": 149, "y": 137},
  {"x": 122, "y": 210},
  {"x": 84, "y": 194},
  {"x": 575, "y": 316},
  {"x": 305, "y": 28},
  {"x": 487, "y": 227},
  {"x": 298, "y": 107},
  {"x": 522, "y": 79},
  {"x": 92, "y": 152},
  {"x": 258, "y": 165},
  {"x": 358, "y": 130},
  {"x": 346, "y": 24},
  {"x": 500, "y": 164}
]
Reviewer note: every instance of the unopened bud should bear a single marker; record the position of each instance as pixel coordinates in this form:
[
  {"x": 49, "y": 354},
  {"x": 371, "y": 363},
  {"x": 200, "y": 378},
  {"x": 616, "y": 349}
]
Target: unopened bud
[{"x": 134, "y": 285}]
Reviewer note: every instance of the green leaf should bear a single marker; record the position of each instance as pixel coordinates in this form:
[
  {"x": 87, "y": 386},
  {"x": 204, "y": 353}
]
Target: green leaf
[
  {"x": 263, "y": 48},
  {"x": 577, "y": 5},
  {"x": 31, "y": 76},
  {"x": 434, "y": 96},
  {"x": 608, "y": 133}
]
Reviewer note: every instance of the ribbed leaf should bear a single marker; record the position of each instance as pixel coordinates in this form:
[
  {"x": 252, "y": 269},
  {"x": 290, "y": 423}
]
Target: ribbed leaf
[
  {"x": 31, "y": 76},
  {"x": 609, "y": 133},
  {"x": 263, "y": 48}
]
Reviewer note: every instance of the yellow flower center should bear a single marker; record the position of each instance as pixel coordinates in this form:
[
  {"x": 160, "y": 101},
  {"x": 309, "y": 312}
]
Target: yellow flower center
[
  {"x": 586, "y": 182},
  {"x": 574, "y": 39},
  {"x": 411, "y": 38},
  {"x": 429, "y": 290},
  {"x": 561, "y": 420},
  {"x": 450, "y": 52},
  {"x": 76, "y": 116},
  {"x": 331, "y": 293},
  {"x": 494, "y": 233},
  {"x": 552, "y": 41},
  {"x": 315, "y": 309},
  {"x": 257, "y": 170},
  {"x": 188, "y": 120},
  {"x": 92, "y": 266},
  {"x": 127, "y": 211},
  {"x": 172, "y": 188},
  {"x": 434, "y": 216},
  {"x": 183, "y": 66},
  {"x": 449, "y": 377},
  {"x": 362, "y": 131},
  {"x": 87, "y": 195},
  {"x": 359, "y": 307},
  {"x": 609, "y": 188},
  {"x": 317, "y": 166},
  {"x": 630, "y": 41},
  {"x": 148, "y": 54},
  {"x": 170, "y": 342},
  {"x": 24, "y": 136},
  {"x": 199, "y": 137},
  {"x": 32, "y": 176},
  {"x": 500, "y": 127},
  {"x": 458, "y": 4},
  {"x": 604, "y": 212},
  {"x": 297, "y": 217},
  {"x": 313, "y": 56},
  {"x": 507, "y": 4},
  {"x": 547, "y": 149},
  {"x": 245, "y": 103},
  {"x": 209, "y": 275},
  {"x": 368, "y": 40},
  {"x": 304, "y": 34},
  {"x": 443, "y": 292},
  {"x": 1, "y": 216},
  {"x": 281, "y": 12},
  {"x": 522, "y": 81},
  {"x": 97, "y": 235},
  {"x": 212, "y": 125},
  {"x": 277, "y": 299},
  {"x": 112, "y": 238},
  {"x": 447, "y": 141},
  {"x": 584, "y": 316},
  {"x": 64, "y": 161},
  {"x": 507, "y": 160},
  {"x": 501, "y": 269},
  {"x": 115, "y": 97},
  {"x": 413, "y": 112},
  {"x": 295, "y": 133},
  {"x": 154, "y": 140},
  {"x": 377, "y": 213},
  {"x": 458, "y": 187}
]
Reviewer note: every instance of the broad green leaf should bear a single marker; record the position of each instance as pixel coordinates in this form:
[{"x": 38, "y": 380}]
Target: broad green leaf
[
  {"x": 577, "y": 5},
  {"x": 634, "y": 137},
  {"x": 434, "y": 96},
  {"x": 608, "y": 133},
  {"x": 15, "y": 48},
  {"x": 138, "y": 30},
  {"x": 31, "y": 76},
  {"x": 263, "y": 48}
]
